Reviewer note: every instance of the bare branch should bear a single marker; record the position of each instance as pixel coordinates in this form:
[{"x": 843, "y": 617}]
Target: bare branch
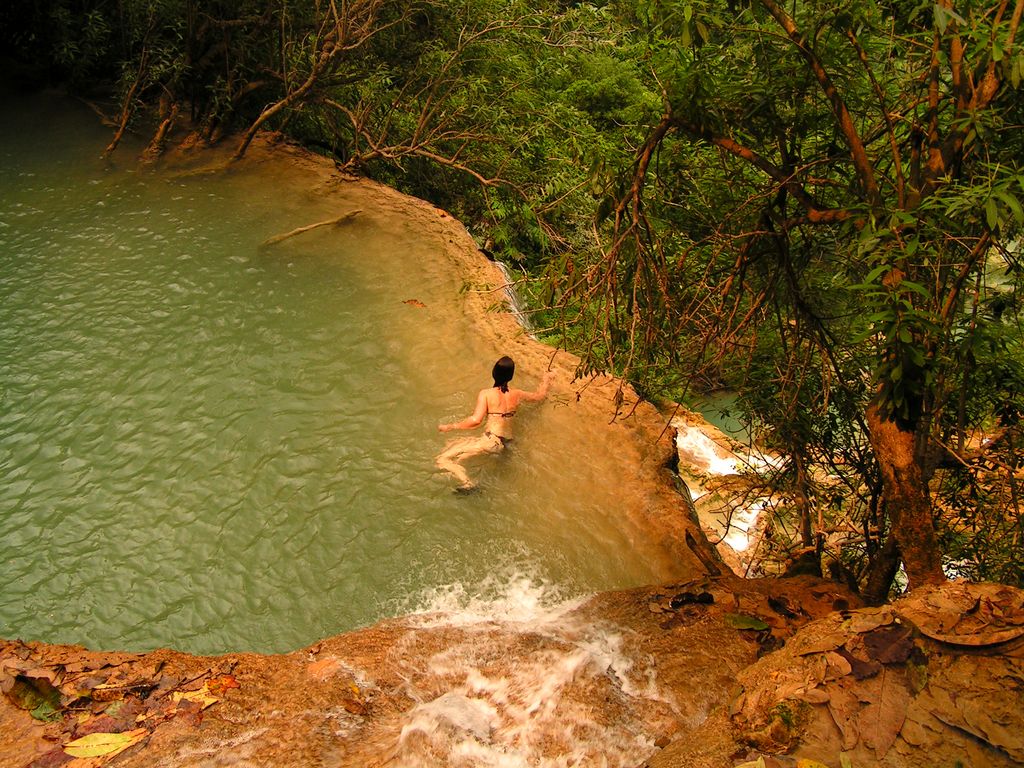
[{"x": 861, "y": 162}]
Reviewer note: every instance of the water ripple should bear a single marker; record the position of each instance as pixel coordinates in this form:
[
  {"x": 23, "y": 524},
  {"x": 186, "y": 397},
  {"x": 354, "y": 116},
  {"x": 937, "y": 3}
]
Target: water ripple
[{"x": 217, "y": 448}]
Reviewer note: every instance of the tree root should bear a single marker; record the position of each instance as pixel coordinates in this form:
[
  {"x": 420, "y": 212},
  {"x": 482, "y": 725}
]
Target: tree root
[{"x": 300, "y": 230}]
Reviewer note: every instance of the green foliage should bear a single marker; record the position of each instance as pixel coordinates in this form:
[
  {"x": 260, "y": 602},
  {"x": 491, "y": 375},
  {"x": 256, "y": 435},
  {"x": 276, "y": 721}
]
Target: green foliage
[
  {"x": 83, "y": 43},
  {"x": 774, "y": 198},
  {"x": 785, "y": 230}
]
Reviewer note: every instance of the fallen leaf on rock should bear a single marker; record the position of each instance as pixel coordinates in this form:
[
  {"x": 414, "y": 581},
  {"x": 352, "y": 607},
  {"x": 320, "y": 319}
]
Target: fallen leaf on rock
[
  {"x": 889, "y": 645},
  {"x": 844, "y": 706},
  {"x": 737, "y": 703},
  {"x": 100, "y": 724},
  {"x": 861, "y": 669},
  {"x": 126, "y": 712},
  {"x": 221, "y": 684},
  {"x": 166, "y": 684},
  {"x": 814, "y": 696},
  {"x": 915, "y": 731},
  {"x": 979, "y": 699},
  {"x": 803, "y": 762},
  {"x": 788, "y": 688},
  {"x": 823, "y": 644},
  {"x": 836, "y": 666},
  {"x": 881, "y": 720},
  {"x": 742, "y": 621},
  {"x": 977, "y": 638},
  {"x": 104, "y": 744},
  {"x": 202, "y": 697},
  {"x": 864, "y": 621},
  {"x": 967, "y": 614},
  {"x": 1004, "y": 733},
  {"x": 828, "y": 666},
  {"x": 35, "y": 694},
  {"x": 12, "y": 665}
]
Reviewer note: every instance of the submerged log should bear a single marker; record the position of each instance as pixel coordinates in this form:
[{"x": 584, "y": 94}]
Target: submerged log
[{"x": 300, "y": 230}]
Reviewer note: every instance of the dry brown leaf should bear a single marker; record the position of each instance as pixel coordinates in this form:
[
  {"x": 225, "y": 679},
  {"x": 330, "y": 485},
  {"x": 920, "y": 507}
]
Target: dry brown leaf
[
  {"x": 976, "y": 716},
  {"x": 994, "y": 724},
  {"x": 202, "y": 697},
  {"x": 882, "y": 719},
  {"x": 822, "y": 645},
  {"x": 836, "y": 666},
  {"x": 889, "y": 645},
  {"x": 860, "y": 668},
  {"x": 866, "y": 620},
  {"x": 844, "y": 707},
  {"x": 913, "y": 731},
  {"x": 976, "y": 638},
  {"x": 789, "y": 689},
  {"x": 737, "y": 704},
  {"x": 967, "y": 614},
  {"x": 814, "y": 696}
]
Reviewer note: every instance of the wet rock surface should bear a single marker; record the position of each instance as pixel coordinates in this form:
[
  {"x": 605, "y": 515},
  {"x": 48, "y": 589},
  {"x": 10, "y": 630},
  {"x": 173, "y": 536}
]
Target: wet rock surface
[
  {"x": 607, "y": 679},
  {"x": 937, "y": 678},
  {"x": 713, "y": 672}
]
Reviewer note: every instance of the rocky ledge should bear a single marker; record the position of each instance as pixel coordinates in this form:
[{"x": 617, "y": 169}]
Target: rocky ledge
[{"x": 713, "y": 672}]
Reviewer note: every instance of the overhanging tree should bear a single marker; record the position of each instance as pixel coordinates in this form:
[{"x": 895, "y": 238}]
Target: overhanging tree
[{"x": 827, "y": 182}]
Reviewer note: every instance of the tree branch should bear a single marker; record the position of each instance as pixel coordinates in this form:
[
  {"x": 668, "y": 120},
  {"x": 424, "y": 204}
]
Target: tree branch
[{"x": 861, "y": 162}]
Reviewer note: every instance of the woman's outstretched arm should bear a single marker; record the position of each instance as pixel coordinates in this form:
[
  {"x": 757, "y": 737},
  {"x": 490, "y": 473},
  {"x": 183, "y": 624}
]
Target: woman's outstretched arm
[
  {"x": 541, "y": 391},
  {"x": 475, "y": 420}
]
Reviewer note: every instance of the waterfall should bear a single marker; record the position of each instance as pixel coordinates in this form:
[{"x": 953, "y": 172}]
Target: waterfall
[
  {"x": 708, "y": 466},
  {"x": 515, "y": 302},
  {"x": 520, "y": 679}
]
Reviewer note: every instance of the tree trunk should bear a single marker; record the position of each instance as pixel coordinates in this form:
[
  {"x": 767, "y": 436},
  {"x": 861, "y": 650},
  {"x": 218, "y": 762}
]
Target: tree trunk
[
  {"x": 906, "y": 499},
  {"x": 884, "y": 565}
]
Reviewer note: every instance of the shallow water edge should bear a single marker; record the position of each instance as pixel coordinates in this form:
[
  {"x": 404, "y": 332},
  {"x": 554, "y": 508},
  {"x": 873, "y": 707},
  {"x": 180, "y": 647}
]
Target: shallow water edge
[
  {"x": 578, "y": 433},
  {"x": 452, "y": 649},
  {"x": 232, "y": 549}
]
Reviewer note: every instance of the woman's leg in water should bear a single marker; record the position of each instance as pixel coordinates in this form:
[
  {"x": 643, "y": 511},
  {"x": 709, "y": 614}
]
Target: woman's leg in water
[{"x": 466, "y": 448}]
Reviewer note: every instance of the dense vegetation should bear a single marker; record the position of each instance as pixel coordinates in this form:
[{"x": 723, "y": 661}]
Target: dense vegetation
[{"x": 818, "y": 205}]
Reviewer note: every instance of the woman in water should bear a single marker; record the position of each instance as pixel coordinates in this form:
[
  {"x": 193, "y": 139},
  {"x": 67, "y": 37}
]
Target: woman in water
[{"x": 498, "y": 405}]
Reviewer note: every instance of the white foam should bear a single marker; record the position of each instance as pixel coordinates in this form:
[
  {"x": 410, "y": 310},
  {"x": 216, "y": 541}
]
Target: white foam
[
  {"x": 471, "y": 716},
  {"x": 703, "y": 454},
  {"x": 535, "y": 713},
  {"x": 520, "y": 689},
  {"x": 743, "y": 525},
  {"x": 509, "y": 597}
]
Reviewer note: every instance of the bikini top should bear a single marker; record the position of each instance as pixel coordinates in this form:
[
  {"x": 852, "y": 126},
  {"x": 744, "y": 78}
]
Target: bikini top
[{"x": 505, "y": 415}]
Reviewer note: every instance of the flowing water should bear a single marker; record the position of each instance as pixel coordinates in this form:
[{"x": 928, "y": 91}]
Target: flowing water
[
  {"x": 213, "y": 445},
  {"x": 579, "y": 696}
]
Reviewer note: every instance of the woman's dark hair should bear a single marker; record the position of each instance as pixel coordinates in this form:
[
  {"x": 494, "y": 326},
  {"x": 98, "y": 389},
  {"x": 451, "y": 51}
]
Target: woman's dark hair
[{"x": 503, "y": 371}]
